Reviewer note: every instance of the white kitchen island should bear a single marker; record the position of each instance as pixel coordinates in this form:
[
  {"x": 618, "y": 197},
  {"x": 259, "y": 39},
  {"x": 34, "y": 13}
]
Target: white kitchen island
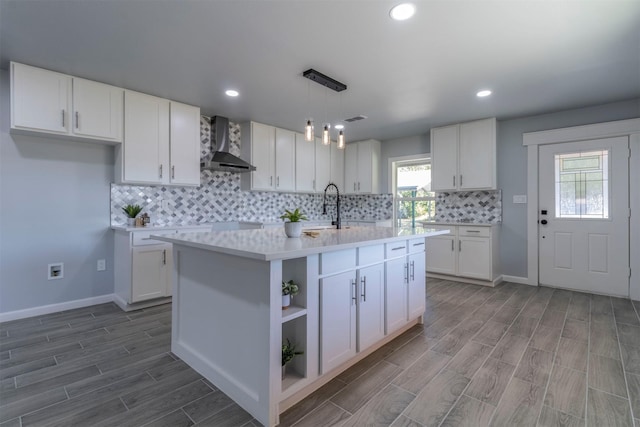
[{"x": 360, "y": 287}]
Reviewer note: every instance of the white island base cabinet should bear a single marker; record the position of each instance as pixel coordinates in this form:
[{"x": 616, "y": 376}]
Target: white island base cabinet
[{"x": 228, "y": 323}]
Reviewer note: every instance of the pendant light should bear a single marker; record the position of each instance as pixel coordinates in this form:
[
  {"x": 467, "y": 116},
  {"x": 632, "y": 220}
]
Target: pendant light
[
  {"x": 326, "y": 137},
  {"x": 309, "y": 134},
  {"x": 308, "y": 131},
  {"x": 341, "y": 139}
]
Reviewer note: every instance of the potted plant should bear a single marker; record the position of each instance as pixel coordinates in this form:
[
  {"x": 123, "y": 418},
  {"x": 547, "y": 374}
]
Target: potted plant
[
  {"x": 132, "y": 211},
  {"x": 293, "y": 226},
  {"x": 288, "y": 353},
  {"x": 289, "y": 289}
]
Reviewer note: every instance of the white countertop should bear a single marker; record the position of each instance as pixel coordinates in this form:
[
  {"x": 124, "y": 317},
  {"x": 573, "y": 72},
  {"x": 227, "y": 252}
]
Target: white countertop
[
  {"x": 472, "y": 224},
  {"x": 128, "y": 228},
  {"x": 272, "y": 244}
]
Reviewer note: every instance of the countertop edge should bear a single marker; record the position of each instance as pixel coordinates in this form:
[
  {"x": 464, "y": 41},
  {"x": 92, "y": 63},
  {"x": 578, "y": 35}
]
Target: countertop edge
[{"x": 294, "y": 253}]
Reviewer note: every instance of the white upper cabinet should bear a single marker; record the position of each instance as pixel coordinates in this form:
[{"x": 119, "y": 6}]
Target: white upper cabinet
[
  {"x": 285, "y": 157},
  {"x": 144, "y": 155},
  {"x": 161, "y": 142},
  {"x": 273, "y": 152},
  {"x": 184, "y": 144},
  {"x": 362, "y": 167},
  {"x": 337, "y": 166},
  {"x": 97, "y": 110},
  {"x": 44, "y": 101},
  {"x": 305, "y": 161},
  {"x": 463, "y": 156}
]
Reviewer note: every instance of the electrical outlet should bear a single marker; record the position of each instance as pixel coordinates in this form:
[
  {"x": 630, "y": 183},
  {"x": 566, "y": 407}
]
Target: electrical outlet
[
  {"x": 520, "y": 199},
  {"x": 102, "y": 265},
  {"x": 55, "y": 271}
]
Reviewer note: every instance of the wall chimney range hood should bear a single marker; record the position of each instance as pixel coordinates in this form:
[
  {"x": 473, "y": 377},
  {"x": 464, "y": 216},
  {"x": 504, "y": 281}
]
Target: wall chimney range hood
[{"x": 220, "y": 159}]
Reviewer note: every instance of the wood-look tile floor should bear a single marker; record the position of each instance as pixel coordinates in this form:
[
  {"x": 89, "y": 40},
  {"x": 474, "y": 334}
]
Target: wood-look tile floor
[{"x": 513, "y": 355}]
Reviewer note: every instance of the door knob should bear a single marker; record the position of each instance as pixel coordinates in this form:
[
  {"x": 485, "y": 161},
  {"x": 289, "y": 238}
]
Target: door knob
[{"x": 543, "y": 222}]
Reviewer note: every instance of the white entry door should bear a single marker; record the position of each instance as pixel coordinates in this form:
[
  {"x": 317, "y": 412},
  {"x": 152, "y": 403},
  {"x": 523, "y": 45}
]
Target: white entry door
[{"x": 584, "y": 215}]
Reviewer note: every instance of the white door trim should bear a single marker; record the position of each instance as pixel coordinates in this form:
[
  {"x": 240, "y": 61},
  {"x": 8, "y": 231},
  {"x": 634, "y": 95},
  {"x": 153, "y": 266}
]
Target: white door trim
[{"x": 531, "y": 140}]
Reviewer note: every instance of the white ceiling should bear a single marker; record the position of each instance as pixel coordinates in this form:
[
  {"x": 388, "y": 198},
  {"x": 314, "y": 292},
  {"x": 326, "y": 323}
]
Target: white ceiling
[{"x": 537, "y": 56}]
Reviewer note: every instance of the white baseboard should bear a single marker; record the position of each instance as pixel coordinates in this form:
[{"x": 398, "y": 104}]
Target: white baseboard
[
  {"x": 516, "y": 279},
  {"x": 54, "y": 308}
]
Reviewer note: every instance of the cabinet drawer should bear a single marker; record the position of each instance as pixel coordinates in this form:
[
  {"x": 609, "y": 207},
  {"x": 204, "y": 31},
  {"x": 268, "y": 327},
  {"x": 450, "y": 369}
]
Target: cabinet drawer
[
  {"x": 332, "y": 262},
  {"x": 474, "y": 231},
  {"x": 370, "y": 254},
  {"x": 395, "y": 249},
  {"x": 416, "y": 245},
  {"x": 142, "y": 238}
]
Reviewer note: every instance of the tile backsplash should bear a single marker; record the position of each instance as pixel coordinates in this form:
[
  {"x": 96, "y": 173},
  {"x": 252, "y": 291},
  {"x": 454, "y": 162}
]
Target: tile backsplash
[
  {"x": 473, "y": 206},
  {"x": 220, "y": 198}
]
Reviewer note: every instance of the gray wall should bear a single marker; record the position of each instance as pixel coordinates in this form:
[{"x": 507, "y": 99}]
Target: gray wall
[
  {"x": 418, "y": 144},
  {"x": 54, "y": 207},
  {"x": 512, "y": 167}
]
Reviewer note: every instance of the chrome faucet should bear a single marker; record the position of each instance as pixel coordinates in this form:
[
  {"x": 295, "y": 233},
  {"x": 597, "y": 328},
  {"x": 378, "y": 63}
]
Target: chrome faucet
[{"x": 324, "y": 205}]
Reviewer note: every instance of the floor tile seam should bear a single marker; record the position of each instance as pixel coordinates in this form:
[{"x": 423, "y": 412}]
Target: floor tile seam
[
  {"x": 554, "y": 353},
  {"x": 325, "y": 400},
  {"x": 373, "y": 397},
  {"x": 181, "y": 408},
  {"x": 624, "y": 370},
  {"x": 161, "y": 396},
  {"x": 311, "y": 412},
  {"x": 608, "y": 392}
]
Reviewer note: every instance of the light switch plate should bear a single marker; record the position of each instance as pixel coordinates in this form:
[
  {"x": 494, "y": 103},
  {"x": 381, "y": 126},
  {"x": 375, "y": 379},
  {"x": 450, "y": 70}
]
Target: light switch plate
[{"x": 520, "y": 199}]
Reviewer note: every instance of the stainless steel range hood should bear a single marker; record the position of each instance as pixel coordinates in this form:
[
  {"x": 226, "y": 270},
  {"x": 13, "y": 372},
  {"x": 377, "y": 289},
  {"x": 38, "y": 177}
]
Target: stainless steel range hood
[{"x": 221, "y": 159}]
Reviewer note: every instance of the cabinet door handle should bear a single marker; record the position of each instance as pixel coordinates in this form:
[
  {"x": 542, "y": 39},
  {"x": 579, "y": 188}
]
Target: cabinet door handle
[
  {"x": 413, "y": 270},
  {"x": 354, "y": 186},
  {"x": 460, "y": 180},
  {"x": 62, "y": 118},
  {"x": 354, "y": 292},
  {"x": 454, "y": 180},
  {"x": 459, "y": 245},
  {"x": 314, "y": 184},
  {"x": 406, "y": 272},
  {"x": 452, "y": 248},
  {"x": 164, "y": 257},
  {"x": 270, "y": 181},
  {"x": 173, "y": 172},
  {"x": 77, "y": 120},
  {"x": 364, "y": 288},
  {"x": 161, "y": 171},
  {"x": 358, "y": 186},
  {"x": 278, "y": 181}
]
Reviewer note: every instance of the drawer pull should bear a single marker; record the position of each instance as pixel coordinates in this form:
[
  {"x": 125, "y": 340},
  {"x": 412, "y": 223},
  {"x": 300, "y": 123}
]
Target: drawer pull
[
  {"x": 399, "y": 247},
  {"x": 473, "y": 231},
  {"x": 418, "y": 244}
]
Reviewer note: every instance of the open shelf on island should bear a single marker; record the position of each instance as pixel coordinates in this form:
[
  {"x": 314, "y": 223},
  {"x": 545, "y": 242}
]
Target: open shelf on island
[
  {"x": 293, "y": 312},
  {"x": 290, "y": 379}
]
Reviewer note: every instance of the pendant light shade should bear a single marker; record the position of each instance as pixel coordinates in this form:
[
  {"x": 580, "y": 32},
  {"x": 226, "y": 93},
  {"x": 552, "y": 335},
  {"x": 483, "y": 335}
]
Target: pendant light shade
[
  {"x": 326, "y": 138},
  {"x": 341, "y": 140},
  {"x": 308, "y": 131}
]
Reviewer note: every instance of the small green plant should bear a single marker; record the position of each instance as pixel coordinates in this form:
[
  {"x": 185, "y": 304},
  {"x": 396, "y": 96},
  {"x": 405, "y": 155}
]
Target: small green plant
[
  {"x": 289, "y": 352},
  {"x": 295, "y": 216},
  {"x": 132, "y": 210},
  {"x": 290, "y": 288}
]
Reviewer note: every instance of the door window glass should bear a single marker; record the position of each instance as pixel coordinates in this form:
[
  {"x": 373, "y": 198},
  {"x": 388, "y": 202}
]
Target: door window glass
[{"x": 582, "y": 185}]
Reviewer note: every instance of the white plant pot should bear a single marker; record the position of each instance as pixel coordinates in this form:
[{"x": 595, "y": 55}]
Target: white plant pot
[
  {"x": 131, "y": 222},
  {"x": 286, "y": 301},
  {"x": 293, "y": 229}
]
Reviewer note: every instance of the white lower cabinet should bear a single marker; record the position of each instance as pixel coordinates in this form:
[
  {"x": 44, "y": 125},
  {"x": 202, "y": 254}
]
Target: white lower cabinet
[
  {"x": 143, "y": 266},
  {"x": 370, "y": 305},
  {"x": 151, "y": 272},
  {"x": 337, "y": 320},
  {"x": 405, "y": 289},
  {"x": 469, "y": 252}
]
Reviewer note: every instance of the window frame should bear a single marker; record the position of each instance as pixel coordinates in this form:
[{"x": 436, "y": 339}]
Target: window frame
[{"x": 394, "y": 163}]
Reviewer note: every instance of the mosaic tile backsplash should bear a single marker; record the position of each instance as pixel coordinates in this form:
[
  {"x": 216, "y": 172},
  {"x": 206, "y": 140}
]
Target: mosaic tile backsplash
[
  {"x": 220, "y": 198},
  {"x": 474, "y": 206}
]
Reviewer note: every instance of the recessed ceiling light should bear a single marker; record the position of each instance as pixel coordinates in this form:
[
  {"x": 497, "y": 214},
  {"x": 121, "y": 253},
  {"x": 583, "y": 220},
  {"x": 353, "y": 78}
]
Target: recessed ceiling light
[
  {"x": 339, "y": 127},
  {"x": 232, "y": 93},
  {"x": 402, "y": 11},
  {"x": 483, "y": 93}
]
